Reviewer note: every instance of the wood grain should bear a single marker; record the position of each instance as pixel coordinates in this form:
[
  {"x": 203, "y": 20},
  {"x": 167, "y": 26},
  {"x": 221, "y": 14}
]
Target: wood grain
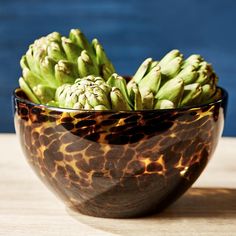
[{"x": 27, "y": 207}]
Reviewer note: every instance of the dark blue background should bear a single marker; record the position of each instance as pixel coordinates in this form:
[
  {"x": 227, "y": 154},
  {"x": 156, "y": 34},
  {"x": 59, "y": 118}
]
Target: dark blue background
[{"x": 130, "y": 31}]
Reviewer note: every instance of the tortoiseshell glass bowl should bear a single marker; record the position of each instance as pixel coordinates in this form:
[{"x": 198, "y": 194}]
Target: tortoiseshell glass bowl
[{"x": 118, "y": 164}]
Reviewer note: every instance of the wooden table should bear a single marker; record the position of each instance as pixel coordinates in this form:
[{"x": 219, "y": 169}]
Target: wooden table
[{"x": 27, "y": 207}]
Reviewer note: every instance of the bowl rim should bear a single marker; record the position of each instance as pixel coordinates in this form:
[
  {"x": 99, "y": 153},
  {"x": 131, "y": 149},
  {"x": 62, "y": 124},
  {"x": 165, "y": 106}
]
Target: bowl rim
[{"x": 223, "y": 98}]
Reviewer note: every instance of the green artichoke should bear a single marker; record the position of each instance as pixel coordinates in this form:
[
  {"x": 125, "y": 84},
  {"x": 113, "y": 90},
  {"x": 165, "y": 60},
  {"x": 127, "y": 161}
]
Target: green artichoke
[
  {"x": 91, "y": 93},
  {"x": 174, "y": 82},
  {"x": 54, "y": 60}
]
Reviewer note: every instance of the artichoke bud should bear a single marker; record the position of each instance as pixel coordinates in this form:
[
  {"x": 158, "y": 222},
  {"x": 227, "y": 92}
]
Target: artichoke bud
[
  {"x": 135, "y": 96},
  {"x": 61, "y": 92},
  {"x": 172, "y": 68},
  {"x": 86, "y": 66},
  {"x": 31, "y": 78},
  {"x": 193, "y": 60},
  {"x": 27, "y": 73},
  {"x": 203, "y": 78},
  {"x": 26, "y": 88},
  {"x": 65, "y": 72},
  {"x": 102, "y": 58},
  {"x": 92, "y": 93},
  {"x": 119, "y": 82},
  {"x": 118, "y": 102},
  {"x": 207, "y": 70},
  {"x": 41, "y": 43},
  {"x": 142, "y": 70},
  {"x": 95, "y": 42},
  {"x": 47, "y": 71},
  {"x": 44, "y": 93},
  {"x": 147, "y": 99},
  {"x": 100, "y": 98},
  {"x": 172, "y": 90},
  {"x": 151, "y": 81},
  {"x": 24, "y": 63},
  {"x": 152, "y": 66},
  {"x": 192, "y": 94},
  {"x": 164, "y": 104},
  {"x": 79, "y": 38},
  {"x": 204, "y": 66},
  {"x": 54, "y": 37},
  {"x": 207, "y": 92},
  {"x": 189, "y": 74},
  {"x": 72, "y": 51},
  {"x": 39, "y": 56},
  {"x": 55, "y": 52},
  {"x": 68, "y": 95},
  {"x": 194, "y": 57},
  {"x": 30, "y": 59},
  {"x": 86, "y": 57},
  {"x": 169, "y": 57}
]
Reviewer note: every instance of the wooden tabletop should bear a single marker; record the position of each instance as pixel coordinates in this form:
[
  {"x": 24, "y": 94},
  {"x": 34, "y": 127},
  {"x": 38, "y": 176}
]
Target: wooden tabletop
[{"x": 27, "y": 207}]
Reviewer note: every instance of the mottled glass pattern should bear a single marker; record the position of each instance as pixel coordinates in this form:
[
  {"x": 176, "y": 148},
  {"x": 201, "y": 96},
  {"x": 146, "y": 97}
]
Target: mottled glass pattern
[{"x": 118, "y": 164}]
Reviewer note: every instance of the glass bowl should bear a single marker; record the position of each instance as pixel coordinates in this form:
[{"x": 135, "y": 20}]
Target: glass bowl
[{"x": 118, "y": 164}]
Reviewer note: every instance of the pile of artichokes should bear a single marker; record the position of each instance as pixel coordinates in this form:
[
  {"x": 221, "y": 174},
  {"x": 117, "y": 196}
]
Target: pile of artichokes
[{"x": 74, "y": 73}]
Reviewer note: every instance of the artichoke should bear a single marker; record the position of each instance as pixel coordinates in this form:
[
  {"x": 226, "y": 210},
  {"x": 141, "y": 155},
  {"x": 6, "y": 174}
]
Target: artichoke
[
  {"x": 174, "y": 82},
  {"x": 91, "y": 93},
  {"x": 54, "y": 60}
]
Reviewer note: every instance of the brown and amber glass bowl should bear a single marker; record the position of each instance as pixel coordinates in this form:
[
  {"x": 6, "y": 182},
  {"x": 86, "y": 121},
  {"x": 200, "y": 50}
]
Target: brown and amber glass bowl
[{"x": 118, "y": 164}]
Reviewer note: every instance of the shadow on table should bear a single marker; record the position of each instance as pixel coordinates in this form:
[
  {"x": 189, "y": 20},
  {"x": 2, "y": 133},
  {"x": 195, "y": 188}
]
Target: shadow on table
[
  {"x": 203, "y": 202},
  {"x": 196, "y": 203}
]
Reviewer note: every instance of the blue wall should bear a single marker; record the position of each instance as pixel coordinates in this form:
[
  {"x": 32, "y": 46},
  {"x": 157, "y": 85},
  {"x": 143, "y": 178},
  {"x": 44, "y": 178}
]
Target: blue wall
[{"x": 130, "y": 30}]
